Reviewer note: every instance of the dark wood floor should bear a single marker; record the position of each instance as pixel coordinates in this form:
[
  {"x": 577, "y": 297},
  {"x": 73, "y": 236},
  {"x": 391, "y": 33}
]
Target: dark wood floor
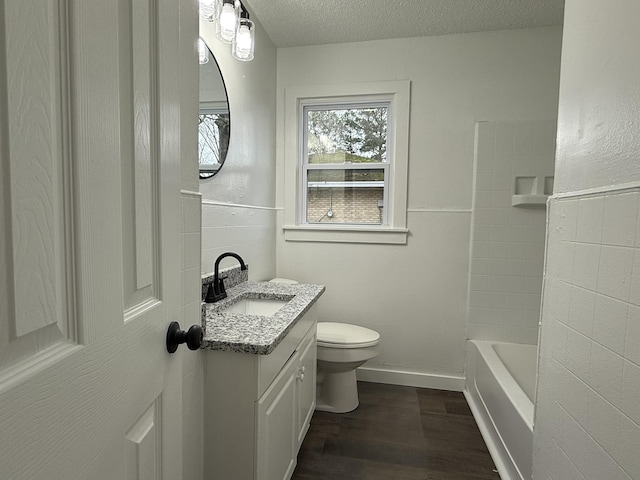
[{"x": 397, "y": 433}]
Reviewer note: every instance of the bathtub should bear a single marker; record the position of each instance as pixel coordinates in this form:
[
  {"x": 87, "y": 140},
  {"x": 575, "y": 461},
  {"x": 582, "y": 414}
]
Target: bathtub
[{"x": 500, "y": 388}]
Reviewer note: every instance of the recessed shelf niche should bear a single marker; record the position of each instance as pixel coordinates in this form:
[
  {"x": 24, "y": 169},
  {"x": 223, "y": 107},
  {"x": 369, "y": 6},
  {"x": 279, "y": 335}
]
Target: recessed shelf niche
[{"x": 531, "y": 190}]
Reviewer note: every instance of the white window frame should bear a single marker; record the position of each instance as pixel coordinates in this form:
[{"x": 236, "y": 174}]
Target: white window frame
[{"x": 395, "y": 95}]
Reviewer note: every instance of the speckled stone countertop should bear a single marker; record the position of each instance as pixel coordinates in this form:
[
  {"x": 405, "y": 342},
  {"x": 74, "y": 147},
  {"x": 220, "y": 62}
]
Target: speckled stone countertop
[{"x": 258, "y": 334}]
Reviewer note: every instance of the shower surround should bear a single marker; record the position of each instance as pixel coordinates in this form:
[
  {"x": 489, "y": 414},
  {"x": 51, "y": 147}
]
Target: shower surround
[{"x": 507, "y": 242}]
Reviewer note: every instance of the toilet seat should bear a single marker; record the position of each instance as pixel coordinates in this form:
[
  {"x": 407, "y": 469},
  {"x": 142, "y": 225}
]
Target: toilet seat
[{"x": 343, "y": 335}]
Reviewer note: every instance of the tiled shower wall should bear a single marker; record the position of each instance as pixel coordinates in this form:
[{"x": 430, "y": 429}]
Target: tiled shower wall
[
  {"x": 589, "y": 385},
  {"x": 507, "y": 243}
]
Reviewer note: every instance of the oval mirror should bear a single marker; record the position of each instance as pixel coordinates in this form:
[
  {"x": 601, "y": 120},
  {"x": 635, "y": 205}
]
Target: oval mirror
[{"x": 214, "y": 127}]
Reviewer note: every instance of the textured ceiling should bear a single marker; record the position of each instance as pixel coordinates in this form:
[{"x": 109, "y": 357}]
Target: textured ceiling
[{"x": 315, "y": 22}]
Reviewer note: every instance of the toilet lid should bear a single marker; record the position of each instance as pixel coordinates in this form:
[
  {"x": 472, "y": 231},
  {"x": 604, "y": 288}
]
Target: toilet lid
[{"x": 343, "y": 335}]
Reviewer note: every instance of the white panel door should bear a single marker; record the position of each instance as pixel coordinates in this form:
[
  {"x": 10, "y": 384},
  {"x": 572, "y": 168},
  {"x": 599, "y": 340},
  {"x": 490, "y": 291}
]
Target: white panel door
[{"x": 89, "y": 239}]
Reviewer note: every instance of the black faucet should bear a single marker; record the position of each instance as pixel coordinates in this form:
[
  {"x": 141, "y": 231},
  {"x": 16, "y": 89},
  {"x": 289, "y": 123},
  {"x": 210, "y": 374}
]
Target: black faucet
[{"x": 216, "y": 290}]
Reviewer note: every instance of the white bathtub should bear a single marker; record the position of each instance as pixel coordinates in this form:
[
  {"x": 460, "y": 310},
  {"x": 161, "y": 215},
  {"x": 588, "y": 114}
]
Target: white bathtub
[{"x": 500, "y": 387}]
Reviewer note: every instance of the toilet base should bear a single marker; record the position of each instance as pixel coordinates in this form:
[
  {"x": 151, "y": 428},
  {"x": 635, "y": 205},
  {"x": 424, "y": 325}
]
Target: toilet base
[{"x": 337, "y": 392}]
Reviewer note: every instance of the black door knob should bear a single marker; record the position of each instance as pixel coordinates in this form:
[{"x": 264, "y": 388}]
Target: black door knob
[{"x": 175, "y": 337}]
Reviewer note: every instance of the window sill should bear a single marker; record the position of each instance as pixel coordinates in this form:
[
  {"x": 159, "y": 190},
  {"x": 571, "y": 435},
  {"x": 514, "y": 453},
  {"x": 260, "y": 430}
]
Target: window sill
[{"x": 345, "y": 234}]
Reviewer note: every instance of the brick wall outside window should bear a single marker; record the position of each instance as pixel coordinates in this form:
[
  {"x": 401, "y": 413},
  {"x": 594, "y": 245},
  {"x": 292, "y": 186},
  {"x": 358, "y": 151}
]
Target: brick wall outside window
[{"x": 349, "y": 205}]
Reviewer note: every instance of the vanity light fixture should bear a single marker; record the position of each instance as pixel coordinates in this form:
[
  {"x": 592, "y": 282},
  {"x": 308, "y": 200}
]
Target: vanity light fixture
[
  {"x": 210, "y": 9},
  {"x": 227, "y": 21},
  {"x": 232, "y": 26},
  {"x": 243, "y": 42},
  {"x": 203, "y": 52}
]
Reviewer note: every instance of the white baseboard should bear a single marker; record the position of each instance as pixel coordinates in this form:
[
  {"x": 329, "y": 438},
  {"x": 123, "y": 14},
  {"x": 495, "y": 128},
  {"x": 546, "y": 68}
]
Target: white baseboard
[{"x": 411, "y": 379}]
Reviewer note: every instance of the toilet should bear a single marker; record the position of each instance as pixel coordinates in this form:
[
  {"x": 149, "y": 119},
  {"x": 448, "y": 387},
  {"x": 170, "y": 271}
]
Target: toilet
[{"x": 341, "y": 349}]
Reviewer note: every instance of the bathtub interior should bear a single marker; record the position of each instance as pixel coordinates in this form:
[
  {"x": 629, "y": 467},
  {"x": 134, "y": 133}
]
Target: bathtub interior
[{"x": 522, "y": 363}]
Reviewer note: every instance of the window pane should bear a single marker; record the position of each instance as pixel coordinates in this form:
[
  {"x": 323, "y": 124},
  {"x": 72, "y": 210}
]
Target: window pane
[
  {"x": 353, "y": 135},
  {"x": 345, "y": 196},
  {"x": 212, "y": 146}
]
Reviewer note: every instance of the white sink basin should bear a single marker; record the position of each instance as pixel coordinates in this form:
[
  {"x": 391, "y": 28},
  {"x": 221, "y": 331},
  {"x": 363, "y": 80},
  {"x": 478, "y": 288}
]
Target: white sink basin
[{"x": 255, "y": 306}]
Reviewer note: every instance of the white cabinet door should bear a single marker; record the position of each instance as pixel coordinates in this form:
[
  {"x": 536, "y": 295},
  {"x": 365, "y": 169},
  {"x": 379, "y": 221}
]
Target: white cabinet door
[
  {"x": 89, "y": 239},
  {"x": 276, "y": 418},
  {"x": 306, "y": 381}
]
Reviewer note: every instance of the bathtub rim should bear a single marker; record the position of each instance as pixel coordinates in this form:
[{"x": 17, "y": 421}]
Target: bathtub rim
[{"x": 502, "y": 458}]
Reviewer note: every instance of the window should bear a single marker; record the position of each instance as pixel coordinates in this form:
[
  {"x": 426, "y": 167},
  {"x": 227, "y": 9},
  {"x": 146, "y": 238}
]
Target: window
[{"x": 346, "y": 163}]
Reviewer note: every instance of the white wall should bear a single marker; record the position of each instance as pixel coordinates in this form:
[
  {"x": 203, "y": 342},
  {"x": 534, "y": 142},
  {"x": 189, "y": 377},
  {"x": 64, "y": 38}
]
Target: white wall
[
  {"x": 588, "y": 407},
  {"x": 238, "y": 204},
  {"x": 416, "y": 295},
  {"x": 507, "y": 242}
]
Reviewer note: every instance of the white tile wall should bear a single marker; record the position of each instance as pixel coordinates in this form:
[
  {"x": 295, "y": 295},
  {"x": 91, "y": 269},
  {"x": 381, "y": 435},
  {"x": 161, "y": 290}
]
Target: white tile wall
[
  {"x": 192, "y": 367},
  {"x": 245, "y": 230},
  {"x": 588, "y": 400},
  {"x": 507, "y": 251},
  {"x": 191, "y": 252}
]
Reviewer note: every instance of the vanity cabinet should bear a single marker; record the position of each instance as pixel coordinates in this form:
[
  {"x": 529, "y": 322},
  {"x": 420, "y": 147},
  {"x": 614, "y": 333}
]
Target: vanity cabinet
[
  {"x": 306, "y": 386},
  {"x": 258, "y": 407},
  {"x": 284, "y": 412}
]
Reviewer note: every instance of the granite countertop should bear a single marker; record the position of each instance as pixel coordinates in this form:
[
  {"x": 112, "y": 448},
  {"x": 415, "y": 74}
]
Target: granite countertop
[{"x": 258, "y": 334}]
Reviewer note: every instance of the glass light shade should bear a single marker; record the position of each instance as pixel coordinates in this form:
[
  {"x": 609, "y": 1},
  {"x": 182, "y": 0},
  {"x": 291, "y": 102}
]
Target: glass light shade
[
  {"x": 227, "y": 22},
  {"x": 203, "y": 52},
  {"x": 243, "y": 42},
  {"x": 210, "y": 9}
]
